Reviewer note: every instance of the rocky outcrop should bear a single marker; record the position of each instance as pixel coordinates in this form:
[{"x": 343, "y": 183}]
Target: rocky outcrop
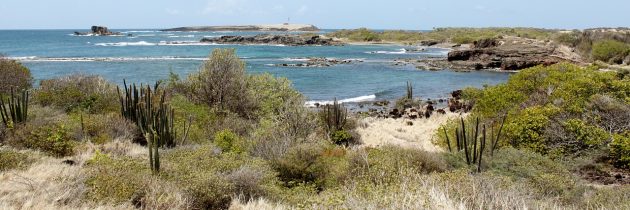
[
  {"x": 270, "y": 39},
  {"x": 98, "y": 31},
  {"x": 506, "y": 54},
  {"x": 319, "y": 62}
]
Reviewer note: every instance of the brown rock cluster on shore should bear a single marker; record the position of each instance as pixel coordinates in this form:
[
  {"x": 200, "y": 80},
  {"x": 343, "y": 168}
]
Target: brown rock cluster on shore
[
  {"x": 274, "y": 39},
  {"x": 510, "y": 53}
]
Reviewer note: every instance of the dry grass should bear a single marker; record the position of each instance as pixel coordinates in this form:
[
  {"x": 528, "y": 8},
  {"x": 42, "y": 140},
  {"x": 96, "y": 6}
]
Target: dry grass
[{"x": 376, "y": 132}]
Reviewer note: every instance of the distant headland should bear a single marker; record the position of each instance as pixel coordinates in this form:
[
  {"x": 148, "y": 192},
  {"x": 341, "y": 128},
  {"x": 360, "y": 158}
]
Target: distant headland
[{"x": 263, "y": 27}]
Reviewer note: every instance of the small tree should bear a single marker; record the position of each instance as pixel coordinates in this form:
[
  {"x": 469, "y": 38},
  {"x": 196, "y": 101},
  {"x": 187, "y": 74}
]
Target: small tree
[
  {"x": 222, "y": 83},
  {"x": 13, "y": 75}
]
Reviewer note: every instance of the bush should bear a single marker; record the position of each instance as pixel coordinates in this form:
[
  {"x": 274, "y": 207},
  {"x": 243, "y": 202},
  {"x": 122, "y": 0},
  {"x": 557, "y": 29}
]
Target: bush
[
  {"x": 210, "y": 179},
  {"x": 528, "y": 129},
  {"x": 382, "y": 165},
  {"x": 610, "y": 51},
  {"x": 620, "y": 150},
  {"x": 103, "y": 128},
  {"x": 52, "y": 138},
  {"x": 229, "y": 142},
  {"x": 271, "y": 94},
  {"x": 221, "y": 83},
  {"x": 116, "y": 181},
  {"x": 13, "y": 75},
  {"x": 314, "y": 164},
  {"x": 341, "y": 137},
  {"x": 79, "y": 92},
  {"x": 13, "y": 160}
]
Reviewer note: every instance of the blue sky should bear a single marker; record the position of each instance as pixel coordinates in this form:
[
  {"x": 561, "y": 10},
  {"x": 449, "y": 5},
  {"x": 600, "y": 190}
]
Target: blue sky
[{"x": 390, "y": 14}]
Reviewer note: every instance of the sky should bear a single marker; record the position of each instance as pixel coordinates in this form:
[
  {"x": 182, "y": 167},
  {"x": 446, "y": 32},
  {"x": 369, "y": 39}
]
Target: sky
[{"x": 327, "y": 14}]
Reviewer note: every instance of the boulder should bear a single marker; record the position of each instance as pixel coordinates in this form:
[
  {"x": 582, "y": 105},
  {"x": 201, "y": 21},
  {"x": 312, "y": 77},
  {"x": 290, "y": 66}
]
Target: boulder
[{"x": 485, "y": 43}]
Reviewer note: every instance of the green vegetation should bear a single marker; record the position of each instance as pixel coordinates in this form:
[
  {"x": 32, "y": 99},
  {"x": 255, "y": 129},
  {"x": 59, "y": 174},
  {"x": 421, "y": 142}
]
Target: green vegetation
[
  {"x": 530, "y": 143},
  {"x": 18, "y": 109},
  {"x": 13, "y": 76},
  {"x": 610, "y": 51},
  {"x": 10, "y": 160},
  {"x": 454, "y": 35}
]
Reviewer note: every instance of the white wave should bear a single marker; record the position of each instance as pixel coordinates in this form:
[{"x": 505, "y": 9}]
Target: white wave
[
  {"x": 146, "y": 35},
  {"x": 348, "y": 100},
  {"x": 295, "y": 59},
  {"x": 186, "y": 43},
  {"x": 141, "y": 31},
  {"x": 103, "y": 59},
  {"x": 187, "y": 36},
  {"x": 124, "y": 44}
]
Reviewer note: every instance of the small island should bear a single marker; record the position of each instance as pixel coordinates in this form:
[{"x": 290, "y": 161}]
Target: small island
[{"x": 263, "y": 27}]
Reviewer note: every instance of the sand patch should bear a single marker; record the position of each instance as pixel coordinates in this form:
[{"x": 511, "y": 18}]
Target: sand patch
[{"x": 377, "y": 132}]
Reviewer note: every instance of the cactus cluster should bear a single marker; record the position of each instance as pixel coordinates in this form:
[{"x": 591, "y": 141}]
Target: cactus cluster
[
  {"x": 138, "y": 106},
  {"x": 335, "y": 116},
  {"x": 18, "y": 108},
  {"x": 155, "y": 121},
  {"x": 472, "y": 143}
]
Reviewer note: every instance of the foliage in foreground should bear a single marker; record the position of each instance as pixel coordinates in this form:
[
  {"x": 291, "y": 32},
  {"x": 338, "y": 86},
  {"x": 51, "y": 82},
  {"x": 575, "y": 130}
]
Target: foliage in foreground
[{"x": 560, "y": 110}]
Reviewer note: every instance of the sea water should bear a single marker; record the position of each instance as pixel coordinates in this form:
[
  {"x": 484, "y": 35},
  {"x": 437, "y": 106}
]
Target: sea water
[{"x": 145, "y": 56}]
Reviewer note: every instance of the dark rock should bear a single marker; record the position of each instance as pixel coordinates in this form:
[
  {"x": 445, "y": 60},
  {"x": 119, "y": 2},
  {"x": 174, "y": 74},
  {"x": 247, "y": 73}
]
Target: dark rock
[
  {"x": 441, "y": 111},
  {"x": 485, "y": 43},
  {"x": 69, "y": 162},
  {"x": 409, "y": 123},
  {"x": 429, "y": 42},
  {"x": 457, "y": 94},
  {"x": 285, "y": 39}
]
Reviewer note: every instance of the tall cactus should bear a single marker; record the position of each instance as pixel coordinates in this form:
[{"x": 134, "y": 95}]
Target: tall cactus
[
  {"x": 18, "y": 108},
  {"x": 335, "y": 116},
  {"x": 409, "y": 90},
  {"x": 137, "y": 105},
  {"x": 474, "y": 146}
]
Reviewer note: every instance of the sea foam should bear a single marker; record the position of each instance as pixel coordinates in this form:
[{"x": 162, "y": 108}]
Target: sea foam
[{"x": 348, "y": 100}]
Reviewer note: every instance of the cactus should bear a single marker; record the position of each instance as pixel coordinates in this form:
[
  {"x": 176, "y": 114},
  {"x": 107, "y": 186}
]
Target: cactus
[
  {"x": 334, "y": 117},
  {"x": 138, "y": 106},
  {"x": 496, "y": 140},
  {"x": 409, "y": 91},
  {"x": 473, "y": 148},
  {"x": 154, "y": 153},
  {"x": 18, "y": 108}
]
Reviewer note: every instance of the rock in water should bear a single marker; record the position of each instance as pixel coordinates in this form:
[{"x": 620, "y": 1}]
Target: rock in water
[
  {"x": 98, "y": 31},
  {"x": 290, "y": 40}
]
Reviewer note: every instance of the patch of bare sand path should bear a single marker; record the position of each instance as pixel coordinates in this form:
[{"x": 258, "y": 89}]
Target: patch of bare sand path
[{"x": 376, "y": 132}]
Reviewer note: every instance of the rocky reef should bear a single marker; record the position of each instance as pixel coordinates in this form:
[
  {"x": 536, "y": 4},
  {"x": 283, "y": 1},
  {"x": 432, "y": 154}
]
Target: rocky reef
[
  {"x": 98, "y": 31},
  {"x": 318, "y": 62},
  {"x": 274, "y": 39}
]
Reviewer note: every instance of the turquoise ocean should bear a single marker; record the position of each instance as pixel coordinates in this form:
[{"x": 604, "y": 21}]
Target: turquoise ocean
[{"x": 145, "y": 56}]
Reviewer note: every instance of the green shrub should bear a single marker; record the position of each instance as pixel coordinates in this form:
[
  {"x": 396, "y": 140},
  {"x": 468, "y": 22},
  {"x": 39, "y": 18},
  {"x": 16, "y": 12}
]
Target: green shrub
[
  {"x": 318, "y": 164},
  {"x": 528, "y": 128},
  {"x": 13, "y": 160},
  {"x": 116, "y": 181},
  {"x": 221, "y": 83},
  {"x": 341, "y": 137},
  {"x": 229, "y": 142},
  {"x": 13, "y": 75},
  {"x": 211, "y": 179},
  {"x": 586, "y": 134},
  {"x": 78, "y": 92},
  {"x": 103, "y": 128},
  {"x": 546, "y": 176},
  {"x": 192, "y": 119},
  {"x": 272, "y": 94},
  {"x": 620, "y": 150},
  {"x": 610, "y": 51},
  {"x": 53, "y": 138}
]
